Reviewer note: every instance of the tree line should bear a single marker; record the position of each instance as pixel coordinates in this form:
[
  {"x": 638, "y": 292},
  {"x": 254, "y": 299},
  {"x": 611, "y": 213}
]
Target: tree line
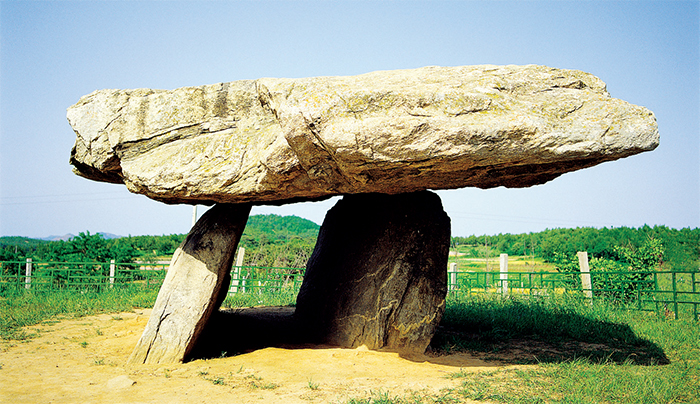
[
  {"x": 677, "y": 249},
  {"x": 288, "y": 241},
  {"x": 269, "y": 240}
]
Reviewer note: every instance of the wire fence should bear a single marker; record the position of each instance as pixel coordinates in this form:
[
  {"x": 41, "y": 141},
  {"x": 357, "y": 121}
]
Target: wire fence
[
  {"x": 254, "y": 279},
  {"x": 50, "y": 276},
  {"x": 675, "y": 294}
]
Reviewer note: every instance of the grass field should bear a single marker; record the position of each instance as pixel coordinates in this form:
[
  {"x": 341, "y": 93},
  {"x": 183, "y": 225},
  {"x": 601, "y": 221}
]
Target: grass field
[
  {"x": 21, "y": 309},
  {"x": 572, "y": 352},
  {"x": 516, "y": 263},
  {"x": 604, "y": 355}
]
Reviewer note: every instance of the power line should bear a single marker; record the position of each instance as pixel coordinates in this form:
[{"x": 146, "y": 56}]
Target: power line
[
  {"x": 59, "y": 195},
  {"x": 62, "y": 198}
]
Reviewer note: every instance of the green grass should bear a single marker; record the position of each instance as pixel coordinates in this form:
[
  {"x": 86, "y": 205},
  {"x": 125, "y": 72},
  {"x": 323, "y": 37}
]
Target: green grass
[
  {"x": 603, "y": 354},
  {"x": 637, "y": 357},
  {"x": 569, "y": 326},
  {"x": 313, "y": 385},
  {"x": 383, "y": 397},
  {"x": 284, "y": 297},
  {"x": 580, "y": 382},
  {"x": 26, "y": 308},
  {"x": 516, "y": 263}
]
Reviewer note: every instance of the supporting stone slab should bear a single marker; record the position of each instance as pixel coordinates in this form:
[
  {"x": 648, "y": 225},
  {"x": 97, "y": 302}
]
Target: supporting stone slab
[
  {"x": 194, "y": 288},
  {"x": 378, "y": 274}
]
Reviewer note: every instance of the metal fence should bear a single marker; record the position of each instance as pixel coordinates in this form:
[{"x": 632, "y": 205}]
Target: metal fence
[
  {"x": 675, "y": 294},
  {"x": 49, "y": 276},
  {"x": 253, "y": 279}
]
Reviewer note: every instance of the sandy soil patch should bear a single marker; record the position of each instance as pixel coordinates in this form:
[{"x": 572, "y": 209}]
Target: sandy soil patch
[{"x": 84, "y": 361}]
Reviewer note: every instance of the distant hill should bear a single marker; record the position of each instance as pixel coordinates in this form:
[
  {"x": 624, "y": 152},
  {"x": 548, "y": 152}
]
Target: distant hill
[
  {"x": 278, "y": 241},
  {"x": 282, "y": 226},
  {"x": 24, "y": 242},
  {"x": 66, "y": 237},
  {"x": 110, "y": 236}
]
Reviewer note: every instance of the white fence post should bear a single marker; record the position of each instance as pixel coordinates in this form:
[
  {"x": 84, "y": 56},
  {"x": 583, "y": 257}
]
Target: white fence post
[
  {"x": 28, "y": 274},
  {"x": 452, "y": 284},
  {"x": 112, "y": 272},
  {"x": 504, "y": 274},
  {"x": 586, "y": 283},
  {"x": 237, "y": 270}
]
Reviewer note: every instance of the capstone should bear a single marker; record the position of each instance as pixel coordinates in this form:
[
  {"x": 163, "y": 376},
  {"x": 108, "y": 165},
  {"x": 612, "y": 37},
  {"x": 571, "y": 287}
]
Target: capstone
[{"x": 273, "y": 141}]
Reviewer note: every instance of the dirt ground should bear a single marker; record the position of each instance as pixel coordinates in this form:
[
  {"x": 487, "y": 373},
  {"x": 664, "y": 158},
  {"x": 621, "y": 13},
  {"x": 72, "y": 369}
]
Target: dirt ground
[{"x": 84, "y": 361}]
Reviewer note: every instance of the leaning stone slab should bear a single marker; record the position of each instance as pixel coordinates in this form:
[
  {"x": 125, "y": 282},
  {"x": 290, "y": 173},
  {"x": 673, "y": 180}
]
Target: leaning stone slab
[
  {"x": 377, "y": 276},
  {"x": 195, "y": 286},
  {"x": 282, "y": 140}
]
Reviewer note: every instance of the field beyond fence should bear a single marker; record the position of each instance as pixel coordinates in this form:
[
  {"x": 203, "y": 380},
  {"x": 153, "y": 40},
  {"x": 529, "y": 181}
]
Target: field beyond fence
[{"x": 674, "y": 294}]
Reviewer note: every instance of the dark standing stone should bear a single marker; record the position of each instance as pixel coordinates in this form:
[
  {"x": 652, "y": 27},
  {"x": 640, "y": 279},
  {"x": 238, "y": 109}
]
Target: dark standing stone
[{"x": 378, "y": 274}]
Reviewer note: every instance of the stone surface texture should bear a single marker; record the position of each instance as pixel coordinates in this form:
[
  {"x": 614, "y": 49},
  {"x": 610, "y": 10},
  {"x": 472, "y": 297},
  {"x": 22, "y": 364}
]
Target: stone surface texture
[
  {"x": 195, "y": 286},
  {"x": 281, "y": 140},
  {"x": 377, "y": 276}
]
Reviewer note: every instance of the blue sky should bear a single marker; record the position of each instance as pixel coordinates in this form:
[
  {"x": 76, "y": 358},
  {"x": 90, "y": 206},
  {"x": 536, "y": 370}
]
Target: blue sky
[{"x": 52, "y": 53}]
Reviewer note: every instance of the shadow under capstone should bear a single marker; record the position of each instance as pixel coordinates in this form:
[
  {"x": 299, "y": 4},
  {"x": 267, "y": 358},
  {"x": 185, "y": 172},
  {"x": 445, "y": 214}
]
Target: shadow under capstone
[{"x": 234, "y": 331}]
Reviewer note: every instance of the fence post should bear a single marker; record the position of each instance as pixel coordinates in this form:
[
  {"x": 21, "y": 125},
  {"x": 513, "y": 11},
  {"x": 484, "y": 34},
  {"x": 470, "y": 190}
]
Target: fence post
[
  {"x": 28, "y": 274},
  {"x": 452, "y": 284},
  {"x": 237, "y": 269},
  {"x": 586, "y": 283},
  {"x": 504, "y": 274},
  {"x": 675, "y": 295},
  {"x": 112, "y": 272}
]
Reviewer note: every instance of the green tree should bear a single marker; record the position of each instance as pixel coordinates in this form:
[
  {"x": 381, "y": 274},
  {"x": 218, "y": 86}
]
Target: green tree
[{"x": 623, "y": 276}]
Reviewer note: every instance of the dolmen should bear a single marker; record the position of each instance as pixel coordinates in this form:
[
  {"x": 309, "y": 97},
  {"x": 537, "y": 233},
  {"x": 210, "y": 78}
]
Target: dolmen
[{"x": 382, "y": 140}]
